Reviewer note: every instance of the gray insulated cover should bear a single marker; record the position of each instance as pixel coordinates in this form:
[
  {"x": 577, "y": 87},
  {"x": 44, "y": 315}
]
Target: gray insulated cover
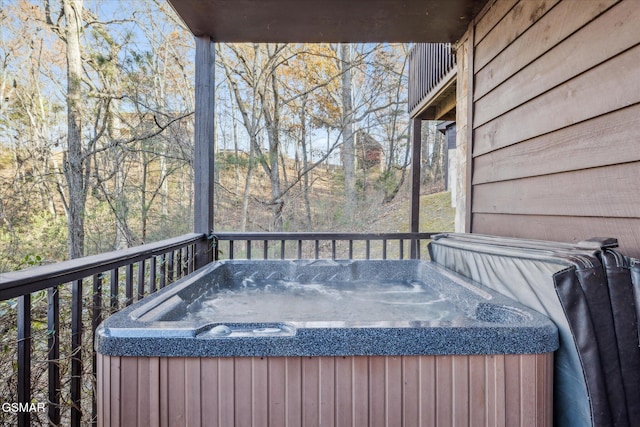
[{"x": 549, "y": 283}]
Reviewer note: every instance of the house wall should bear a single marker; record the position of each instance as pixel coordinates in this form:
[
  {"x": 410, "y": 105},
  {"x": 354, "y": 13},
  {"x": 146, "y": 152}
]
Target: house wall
[{"x": 552, "y": 89}]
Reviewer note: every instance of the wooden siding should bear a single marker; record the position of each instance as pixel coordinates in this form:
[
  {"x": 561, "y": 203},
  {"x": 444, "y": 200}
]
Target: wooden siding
[
  {"x": 556, "y": 118},
  {"x": 495, "y": 390}
]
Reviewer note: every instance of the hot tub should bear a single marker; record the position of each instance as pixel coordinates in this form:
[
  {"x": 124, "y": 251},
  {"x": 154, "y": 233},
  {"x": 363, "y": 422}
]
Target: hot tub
[{"x": 326, "y": 343}]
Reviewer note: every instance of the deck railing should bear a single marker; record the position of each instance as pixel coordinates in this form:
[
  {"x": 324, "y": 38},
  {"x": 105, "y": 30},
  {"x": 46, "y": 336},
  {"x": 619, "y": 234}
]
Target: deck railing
[
  {"x": 326, "y": 245},
  {"x": 146, "y": 269},
  {"x": 429, "y": 64},
  {"x": 63, "y": 371}
]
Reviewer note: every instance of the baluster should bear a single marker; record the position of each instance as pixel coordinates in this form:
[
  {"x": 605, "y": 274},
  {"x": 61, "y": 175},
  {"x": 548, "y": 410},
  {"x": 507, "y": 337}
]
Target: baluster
[
  {"x": 53, "y": 353},
  {"x": 141, "y": 271},
  {"x": 24, "y": 356},
  {"x": 128, "y": 284},
  {"x": 76, "y": 352},
  {"x": 282, "y": 254},
  {"x": 114, "y": 290},
  {"x": 170, "y": 268},
  {"x": 152, "y": 274}
]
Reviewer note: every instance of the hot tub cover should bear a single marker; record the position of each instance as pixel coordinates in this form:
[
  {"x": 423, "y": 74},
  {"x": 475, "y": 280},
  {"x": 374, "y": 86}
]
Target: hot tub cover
[{"x": 586, "y": 290}]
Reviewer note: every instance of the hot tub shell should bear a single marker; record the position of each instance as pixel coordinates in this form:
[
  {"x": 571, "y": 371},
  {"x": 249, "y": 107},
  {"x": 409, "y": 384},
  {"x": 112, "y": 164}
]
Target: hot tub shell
[{"x": 492, "y": 366}]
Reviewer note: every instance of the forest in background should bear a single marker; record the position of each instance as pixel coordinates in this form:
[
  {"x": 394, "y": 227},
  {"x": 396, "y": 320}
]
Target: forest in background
[{"x": 96, "y": 131}]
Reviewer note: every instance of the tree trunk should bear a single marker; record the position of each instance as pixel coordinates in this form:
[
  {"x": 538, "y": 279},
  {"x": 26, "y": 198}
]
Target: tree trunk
[
  {"x": 74, "y": 168},
  {"x": 305, "y": 161},
  {"x": 348, "y": 156}
]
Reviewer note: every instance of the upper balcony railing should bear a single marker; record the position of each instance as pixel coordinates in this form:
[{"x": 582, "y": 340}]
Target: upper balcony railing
[
  {"x": 50, "y": 313},
  {"x": 429, "y": 65}
]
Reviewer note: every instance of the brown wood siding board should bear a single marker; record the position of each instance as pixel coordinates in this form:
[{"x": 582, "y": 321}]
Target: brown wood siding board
[
  {"x": 492, "y": 15},
  {"x": 586, "y": 193},
  {"x": 588, "y": 95},
  {"x": 535, "y": 62},
  {"x": 563, "y": 228},
  {"x": 522, "y": 16},
  {"x": 605, "y": 140}
]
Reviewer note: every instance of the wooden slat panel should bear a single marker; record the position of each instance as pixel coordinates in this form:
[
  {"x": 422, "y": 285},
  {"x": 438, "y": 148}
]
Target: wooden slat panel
[
  {"x": 310, "y": 391},
  {"x": 326, "y": 374},
  {"x": 144, "y": 390},
  {"x": 585, "y": 49},
  {"x": 394, "y": 391},
  {"x": 428, "y": 392},
  {"x": 101, "y": 403},
  {"x": 460, "y": 403},
  {"x": 517, "y": 21},
  {"x": 193, "y": 392},
  {"x": 210, "y": 390},
  {"x": 528, "y": 376},
  {"x": 584, "y": 145},
  {"x": 600, "y": 192},
  {"x": 499, "y": 379},
  {"x": 377, "y": 388},
  {"x": 361, "y": 390},
  {"x": 493, "y": 15},
  {"x": 164, "y": 392},
  {"x": 563, "y": 229},
  {"x": 442, "y": 390},
  {"x": 176, "y": 384},
  {"x": 129, "y": 394},
  {"x": 242, "y": 393},
  {"x": 260, "y": 391},
  {"x": 294, "y": 391},
  {"x": 344, "y": 391},
  {"x": 114, "y": 391},
  {"x": 277, "y": 391},
  {"x": 154, "y": 391},
  {"x": 513, "y": 390},
  {"x": 411, "y": 390},
  {"x": 567, "y": 104},
  {"x": 477, "y": 392},
  {"x": 226, "y": 391}
]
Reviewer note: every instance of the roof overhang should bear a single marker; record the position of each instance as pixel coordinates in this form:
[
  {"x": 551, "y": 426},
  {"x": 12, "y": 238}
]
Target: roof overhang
[{"x": 309, "y": 21}]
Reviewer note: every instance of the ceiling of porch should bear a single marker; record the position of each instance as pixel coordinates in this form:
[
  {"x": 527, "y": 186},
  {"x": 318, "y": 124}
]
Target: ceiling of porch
[{"x": 309, "y": 21}]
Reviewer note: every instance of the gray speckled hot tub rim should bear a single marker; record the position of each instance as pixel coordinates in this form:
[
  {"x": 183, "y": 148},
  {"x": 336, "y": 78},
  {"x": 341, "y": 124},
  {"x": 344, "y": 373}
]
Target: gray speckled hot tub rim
[{"x": 500, "y": 325}]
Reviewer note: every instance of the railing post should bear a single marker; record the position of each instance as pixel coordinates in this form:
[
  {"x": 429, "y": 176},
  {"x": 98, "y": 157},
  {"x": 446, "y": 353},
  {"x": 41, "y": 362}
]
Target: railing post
[
  {"x": 415, "y": 181},
  {"x": 203, "y": 164}
]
